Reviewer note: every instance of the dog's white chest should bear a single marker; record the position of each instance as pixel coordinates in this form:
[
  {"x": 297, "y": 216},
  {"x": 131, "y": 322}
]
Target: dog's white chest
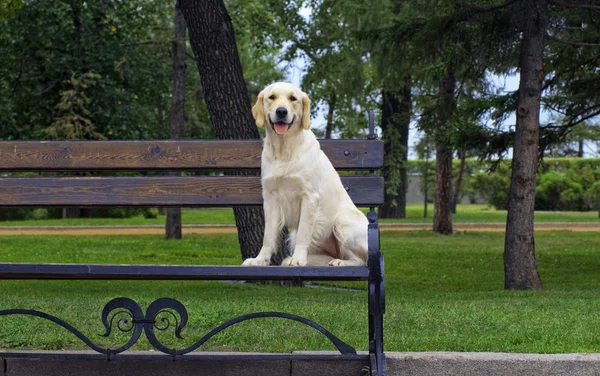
[{"x": 286, "y": 192}]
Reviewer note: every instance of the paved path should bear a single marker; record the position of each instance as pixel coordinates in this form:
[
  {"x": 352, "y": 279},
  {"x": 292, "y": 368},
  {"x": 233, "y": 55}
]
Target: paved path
[{"x": 230, "y": 229}]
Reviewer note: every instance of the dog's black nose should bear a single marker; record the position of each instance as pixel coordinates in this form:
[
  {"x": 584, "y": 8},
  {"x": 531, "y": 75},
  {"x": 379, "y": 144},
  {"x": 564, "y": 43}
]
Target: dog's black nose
[{"x": 281, "y": 112}]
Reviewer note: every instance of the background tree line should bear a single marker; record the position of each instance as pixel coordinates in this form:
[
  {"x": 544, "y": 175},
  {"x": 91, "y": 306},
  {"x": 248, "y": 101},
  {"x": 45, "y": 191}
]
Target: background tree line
[{"x": 71, "y": 69}]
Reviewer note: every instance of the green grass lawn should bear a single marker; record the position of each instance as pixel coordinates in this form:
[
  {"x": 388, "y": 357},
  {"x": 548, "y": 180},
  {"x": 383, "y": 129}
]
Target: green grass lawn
[
  {"x": 465, "y": 214},
  {"x": 443, "y": 294}
]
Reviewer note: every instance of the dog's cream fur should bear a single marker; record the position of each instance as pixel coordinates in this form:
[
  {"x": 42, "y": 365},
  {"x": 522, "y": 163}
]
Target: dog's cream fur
[{"x": 302, "y": 190}]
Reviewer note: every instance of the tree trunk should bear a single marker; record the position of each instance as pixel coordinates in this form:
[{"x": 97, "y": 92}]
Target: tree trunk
[
  {"x": 442, "y": 204},
  {"x": 173, "y": 224},
  {"x": 329, "y": 126},
  {"x": 520, "y": 265},
  {"x": 459, "y": 179},
  {"x": 213, "y": 42},
  {"x": 76, "y": 6},
  {"x": 580, "y": 149},
  {"x": 395, "y": 121}
]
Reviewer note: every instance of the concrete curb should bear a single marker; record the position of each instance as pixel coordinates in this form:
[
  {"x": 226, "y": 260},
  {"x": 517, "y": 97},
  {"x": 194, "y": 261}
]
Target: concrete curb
[{"x": 496, "y": 364}]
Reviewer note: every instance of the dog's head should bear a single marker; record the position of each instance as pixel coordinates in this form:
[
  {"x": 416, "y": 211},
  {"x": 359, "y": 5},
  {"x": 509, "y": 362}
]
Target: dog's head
[{"x": 284, "y": 107}]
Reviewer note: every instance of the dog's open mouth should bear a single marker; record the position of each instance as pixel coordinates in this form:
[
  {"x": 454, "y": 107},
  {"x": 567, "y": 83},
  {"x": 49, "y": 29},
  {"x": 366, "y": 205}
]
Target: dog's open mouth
[{"x": 281, "y": 127}]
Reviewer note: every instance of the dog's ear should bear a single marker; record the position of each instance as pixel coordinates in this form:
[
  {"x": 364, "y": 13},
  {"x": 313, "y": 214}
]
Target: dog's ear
[
  {"x": 258, "y": 110},
  {"x": 305, "y": 111}
]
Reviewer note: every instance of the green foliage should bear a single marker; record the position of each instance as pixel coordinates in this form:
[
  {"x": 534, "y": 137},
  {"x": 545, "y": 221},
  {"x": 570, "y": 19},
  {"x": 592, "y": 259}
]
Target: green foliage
[
  {"x": 73, "y": 123},
  {"x": 48, "y": 49},
  {"x": 572, "y": 72},
  {"x": 93, "y": 70},
  {"x": 20, "y": 214},
  {"x": 258, "y": 46},
  {"x": 8, "y": 7},
  {"x": 556, "y": 191},
  {"x": 124, "y": 213},
  {"x": 339, "y": 75},
  {"x": 493, "y": 186},
  {"x": 592, "y": 196},
  {"x": 574, "y": 143},
  {"x": 562, "y": 183},
  {"x": 41, "y": 214}
]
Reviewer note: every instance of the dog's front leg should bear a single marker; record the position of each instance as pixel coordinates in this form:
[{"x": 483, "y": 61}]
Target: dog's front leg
[
  {"x": 304, "y": 236},
  {"x": 273, "y": 227}
]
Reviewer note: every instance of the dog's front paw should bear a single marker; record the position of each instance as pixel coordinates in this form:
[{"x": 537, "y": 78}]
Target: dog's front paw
[
  {"x": 259, "y": 261},
  {"x": 294, "y": 261},
  {"x": 338, "y": 262}
]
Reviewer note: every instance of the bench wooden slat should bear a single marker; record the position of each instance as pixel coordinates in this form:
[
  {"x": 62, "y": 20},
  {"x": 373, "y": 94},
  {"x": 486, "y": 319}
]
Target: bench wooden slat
[
  {"x": 155, "y": 191},
  {"x": 178, "y": 272},
  {"x": 169, "y": 155}
]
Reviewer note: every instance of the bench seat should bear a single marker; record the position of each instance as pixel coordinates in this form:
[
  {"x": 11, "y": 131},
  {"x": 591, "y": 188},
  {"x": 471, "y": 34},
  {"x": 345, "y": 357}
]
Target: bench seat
[{"x": 24, "y": 271}]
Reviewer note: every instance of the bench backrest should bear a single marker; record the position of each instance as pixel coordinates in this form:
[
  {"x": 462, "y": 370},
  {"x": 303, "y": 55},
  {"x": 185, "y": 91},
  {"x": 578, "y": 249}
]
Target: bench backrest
[{"x": 162, "y": 156}]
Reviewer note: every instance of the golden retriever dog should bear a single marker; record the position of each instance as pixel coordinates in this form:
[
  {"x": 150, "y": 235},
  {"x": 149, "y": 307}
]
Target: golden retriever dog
[{"x": 302, "y": 190}]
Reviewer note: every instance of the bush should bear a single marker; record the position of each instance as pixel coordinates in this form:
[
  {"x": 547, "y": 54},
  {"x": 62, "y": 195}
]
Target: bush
[
  {"x": 592, "y": 196},
  {"x": 493, "y": 186},
  {"x": 124, "y": 212},
  {"x": 14, "y": 214},
  {"x": 19, "y": 214},
  {"x": 556, "y": 191},
  {"x": 562, "y": 184}
]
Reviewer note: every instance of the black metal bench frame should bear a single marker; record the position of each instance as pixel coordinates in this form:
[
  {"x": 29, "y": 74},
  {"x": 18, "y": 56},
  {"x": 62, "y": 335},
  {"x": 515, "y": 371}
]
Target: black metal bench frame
[{"x": 56, "y": 156}]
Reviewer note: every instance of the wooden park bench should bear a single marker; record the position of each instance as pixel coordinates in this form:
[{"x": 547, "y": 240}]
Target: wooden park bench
[{"x": 181, "y": 191}]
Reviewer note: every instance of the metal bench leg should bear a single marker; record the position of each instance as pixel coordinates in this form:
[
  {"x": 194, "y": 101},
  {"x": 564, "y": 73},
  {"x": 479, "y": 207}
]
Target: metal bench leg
[{"x": 376, "y": 299}]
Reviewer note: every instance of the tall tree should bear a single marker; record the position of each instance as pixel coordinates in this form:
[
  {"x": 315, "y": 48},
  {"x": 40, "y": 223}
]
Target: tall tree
[
  {"x": 213, "y": 41},
  {"x": 173, "y": 222},
  {"x": 396, "y": 113},
  {"x": 520, "y": 265}
]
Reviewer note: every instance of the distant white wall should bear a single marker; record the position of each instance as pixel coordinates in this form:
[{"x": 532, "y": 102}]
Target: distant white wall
[{"x": 414, "y": 195}]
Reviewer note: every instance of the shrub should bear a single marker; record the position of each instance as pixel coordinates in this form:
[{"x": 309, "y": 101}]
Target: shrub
[
  {"x": 562, "y": 184},
  {"x": 493, "y": 186},
  {"x": 556, "y": 191},
  {"x": 123, "y": 212}
]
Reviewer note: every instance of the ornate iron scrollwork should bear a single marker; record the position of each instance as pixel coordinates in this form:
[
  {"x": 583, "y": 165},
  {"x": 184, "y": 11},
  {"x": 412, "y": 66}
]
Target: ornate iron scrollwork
[{"x": 127, "y": 316}]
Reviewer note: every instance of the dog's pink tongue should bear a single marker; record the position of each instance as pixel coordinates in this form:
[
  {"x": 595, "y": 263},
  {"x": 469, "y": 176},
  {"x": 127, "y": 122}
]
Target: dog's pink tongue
[{"x": 281, "y": 128}]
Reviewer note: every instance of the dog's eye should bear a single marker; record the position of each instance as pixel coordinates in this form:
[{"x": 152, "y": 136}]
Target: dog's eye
[
  {"x": 292, "y": 98},
  {"x": 272, "y": 97}
]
